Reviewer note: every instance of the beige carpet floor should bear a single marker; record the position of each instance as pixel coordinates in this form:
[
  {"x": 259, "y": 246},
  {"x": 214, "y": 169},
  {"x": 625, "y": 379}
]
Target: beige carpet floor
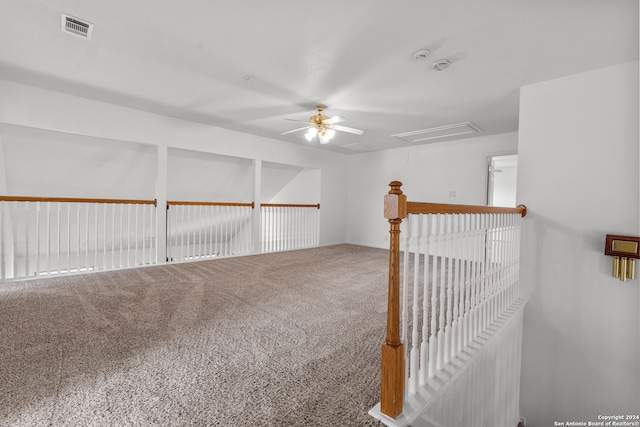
[{"x": 281, "y": 339}]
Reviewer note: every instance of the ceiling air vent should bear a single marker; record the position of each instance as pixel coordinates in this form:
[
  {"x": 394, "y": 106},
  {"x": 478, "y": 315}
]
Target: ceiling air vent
[
  {"x": 76, "y": 26},
  {"x": 438, "y": 132}
]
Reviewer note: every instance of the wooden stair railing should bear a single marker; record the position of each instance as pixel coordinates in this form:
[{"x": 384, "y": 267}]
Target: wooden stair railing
[
  {"x": 228, "y": 204},
  {"x": 289, "y": 205},
  {"x": 75, "y": 200},
  {"x": 396, "y": 207}
]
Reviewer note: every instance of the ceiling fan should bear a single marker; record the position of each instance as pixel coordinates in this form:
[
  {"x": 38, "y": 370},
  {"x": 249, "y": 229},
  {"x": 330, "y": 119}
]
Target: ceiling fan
[{"x": 323, "y": 127}]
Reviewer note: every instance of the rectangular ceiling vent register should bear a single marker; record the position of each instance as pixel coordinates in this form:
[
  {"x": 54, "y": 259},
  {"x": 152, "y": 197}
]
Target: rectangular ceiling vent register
[
  {"x": 438, "y": 132},
  {"x": 77, "y": 27}
]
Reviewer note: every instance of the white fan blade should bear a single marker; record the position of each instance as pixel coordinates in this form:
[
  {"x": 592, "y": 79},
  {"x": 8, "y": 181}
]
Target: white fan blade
[
  {"x": 297, "y": 121},
  {"x": 334, "y": 119},
  {"x": 348, "y": 129},
  {"x": 295, "y": 130}
]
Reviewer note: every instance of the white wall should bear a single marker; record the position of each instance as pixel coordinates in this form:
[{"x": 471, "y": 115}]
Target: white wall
[
  {"x": 302, "y": 188},
  {"x": 205, "y": 177},
  {"x": 37, "y": 108},
  {"x": 578, "y": 176},
  {"x": 55, "y": 164},
  {"x": 429, "y": 173}
]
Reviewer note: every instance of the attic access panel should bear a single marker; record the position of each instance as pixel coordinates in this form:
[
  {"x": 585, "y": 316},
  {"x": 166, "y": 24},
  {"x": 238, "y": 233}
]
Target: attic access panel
[{"x": 439, "y": 132}]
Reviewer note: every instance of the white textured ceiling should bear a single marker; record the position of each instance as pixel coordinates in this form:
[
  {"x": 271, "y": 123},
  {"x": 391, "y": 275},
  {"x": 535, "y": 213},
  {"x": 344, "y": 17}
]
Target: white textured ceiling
[{"x": 247, "y": 65}]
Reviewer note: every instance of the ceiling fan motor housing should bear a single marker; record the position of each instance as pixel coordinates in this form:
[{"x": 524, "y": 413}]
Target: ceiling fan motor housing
[{"x": 318, "y": 119}]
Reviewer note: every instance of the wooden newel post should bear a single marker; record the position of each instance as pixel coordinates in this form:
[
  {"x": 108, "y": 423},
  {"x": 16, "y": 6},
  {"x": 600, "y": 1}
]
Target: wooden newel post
[{"x": 392, "y": 377}]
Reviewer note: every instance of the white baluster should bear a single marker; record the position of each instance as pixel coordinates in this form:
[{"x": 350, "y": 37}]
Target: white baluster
[
  {"x": 216, "y": 222},
  {"x": 309, "y": 227},
  {"x": 405, "y": 268},
  {"x": 113, "y": 235},
  {"x": 481, "y": 273},
  {"x": 264, "y": 228},
  {"x": 499, "y": 280},
  {"x": 104, "y": 236},
  {"x": 286, "y": 238},
  {"x": 86, "y": 237},
  {"x": 192, "y": 225},
  {"x": 485, "y": 274},
  {"x": 58, "y": 237},
  {"x": 295, "y": 233},
  {"x": 424, "y": 345},
  {"x": 271, "y": 227},
  {"x": 506, "y": 268},
  {"x": 480, "y": 253},
  {"x": 236, "y": 230},
  {"x": 13, "y": 227},
  {"x": 212, "y": 231},
  {"x": 154, "y": 236},
  {"x": 77, "y": 239},
  {"x": 475, "y": 271},
  {"x": 48, "y": 237},
  {"x": 207, "y": 231},
  {"x": 433, "y": 344},
  {"x": 120, "y": 235},
  {"x": 284, "y": 228},
  {"x": 415, "y": 342},
  {"x": 242, "y": 230},
  {"x": 448, "y": 339},
  {"x": 180, "y": 227},
  {"x": 455, "y": 335},
  {"x": 274, "y": 228},
  {"x": 128, "y": 263},
  {"x": 278, "y": 229},
  {"x": 199, "y": 226},
  {"x": 442, "y": 290},
  {"x": 230, "y": 236},
  {"x": 137, "y": 219},
  {"x": 489, "y": 269},
  {"x": 468, "y": 239}
]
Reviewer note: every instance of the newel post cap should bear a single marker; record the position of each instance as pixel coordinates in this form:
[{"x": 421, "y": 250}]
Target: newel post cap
[{"x": 395, "y": 202}]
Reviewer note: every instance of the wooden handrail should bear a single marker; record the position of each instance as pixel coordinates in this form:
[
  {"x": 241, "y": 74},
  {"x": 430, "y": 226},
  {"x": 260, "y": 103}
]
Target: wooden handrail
[
  {"x": 252, "y": 204},
  {"x": 440, "y": 208},
  {"x": 396, "y": 208},
  {"x": 173, "y": 202},
  {"x": 280, "y": 205},
  {"x": 75, "y": 200}
]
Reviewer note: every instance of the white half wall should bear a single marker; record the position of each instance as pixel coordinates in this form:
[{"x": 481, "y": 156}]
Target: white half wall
[
  {"x": 578, "y": 176},
  {"x": 32, "y": 107},
  {"x": 446, "y": 172}
]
